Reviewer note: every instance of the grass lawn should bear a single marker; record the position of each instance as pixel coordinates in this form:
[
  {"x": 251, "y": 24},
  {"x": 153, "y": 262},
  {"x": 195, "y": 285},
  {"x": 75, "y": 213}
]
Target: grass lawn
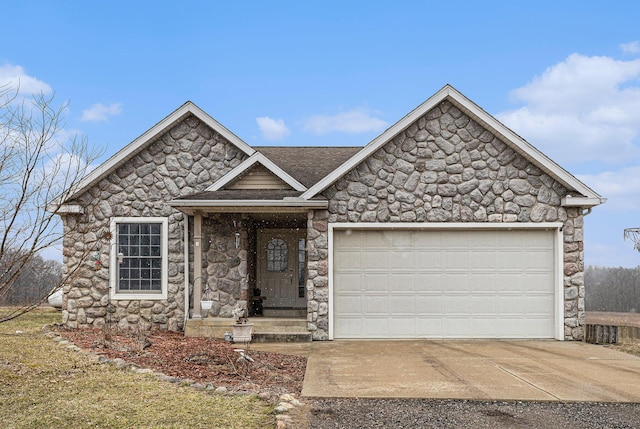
[{"x": 44, "y": 385}]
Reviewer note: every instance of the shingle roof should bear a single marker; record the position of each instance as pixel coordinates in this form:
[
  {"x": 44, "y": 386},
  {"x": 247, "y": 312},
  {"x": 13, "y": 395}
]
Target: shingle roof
[{"x": 308, "y": 164}]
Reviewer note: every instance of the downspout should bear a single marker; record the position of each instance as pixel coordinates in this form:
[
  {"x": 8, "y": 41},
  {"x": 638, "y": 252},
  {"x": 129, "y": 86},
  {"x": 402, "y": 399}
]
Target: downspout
[{"x": 186, "y": 271}]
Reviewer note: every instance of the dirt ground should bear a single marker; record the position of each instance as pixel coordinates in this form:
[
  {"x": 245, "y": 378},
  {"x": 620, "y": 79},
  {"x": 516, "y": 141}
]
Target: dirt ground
[
  {"x": 204, "y": 360},
  {"x": 212, "y": 361}
]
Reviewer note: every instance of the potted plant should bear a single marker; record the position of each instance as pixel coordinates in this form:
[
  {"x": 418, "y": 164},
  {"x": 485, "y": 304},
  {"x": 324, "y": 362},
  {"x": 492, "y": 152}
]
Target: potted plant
[
  {"x": 205, "y": 302},
  {"x": 242, "y": 330}
]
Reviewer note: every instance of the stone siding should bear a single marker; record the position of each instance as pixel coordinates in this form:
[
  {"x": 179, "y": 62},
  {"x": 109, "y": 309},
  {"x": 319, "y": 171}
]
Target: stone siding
[
  {"x": 224, "y": 267},
  {"x": 445, "y": 168},
  {"x": 184, "y": 160}
]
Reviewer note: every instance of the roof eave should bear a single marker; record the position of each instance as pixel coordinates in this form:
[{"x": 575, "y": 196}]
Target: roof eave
[
  {"x": 586, "y": 202},
  {"x": 286, "y": 205},
  {"x": 65, "y": 209}
]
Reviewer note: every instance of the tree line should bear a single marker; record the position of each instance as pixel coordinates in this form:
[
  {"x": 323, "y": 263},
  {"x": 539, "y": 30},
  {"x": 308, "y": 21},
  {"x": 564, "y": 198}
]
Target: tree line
[
  {"x": 612, "y": 289},
  {"x": 32, "y": 283}
]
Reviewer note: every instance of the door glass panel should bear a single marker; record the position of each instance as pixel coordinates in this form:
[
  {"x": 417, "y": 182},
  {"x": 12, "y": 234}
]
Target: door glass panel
[{"x": 277, "y": 255}]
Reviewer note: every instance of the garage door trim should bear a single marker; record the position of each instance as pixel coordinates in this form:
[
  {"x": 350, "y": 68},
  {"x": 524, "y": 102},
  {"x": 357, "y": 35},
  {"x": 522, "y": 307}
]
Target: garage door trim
[{"x": 553, "y": 226}]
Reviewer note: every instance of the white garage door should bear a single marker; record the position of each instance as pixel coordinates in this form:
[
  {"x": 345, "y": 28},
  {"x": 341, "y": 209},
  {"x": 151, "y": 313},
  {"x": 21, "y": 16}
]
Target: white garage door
[{"x": 443, "y": 284}]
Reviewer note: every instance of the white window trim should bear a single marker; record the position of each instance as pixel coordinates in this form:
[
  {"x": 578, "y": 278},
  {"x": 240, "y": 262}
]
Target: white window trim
[{"x": 113, "y": 259}]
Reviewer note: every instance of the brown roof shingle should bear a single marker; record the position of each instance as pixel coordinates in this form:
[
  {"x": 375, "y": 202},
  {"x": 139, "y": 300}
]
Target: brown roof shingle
[{"x": 308, "y": 164}]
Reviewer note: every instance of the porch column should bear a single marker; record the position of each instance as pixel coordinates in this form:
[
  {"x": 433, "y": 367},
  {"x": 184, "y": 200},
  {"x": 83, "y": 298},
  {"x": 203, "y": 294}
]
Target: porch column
[{"x": 197, "y": 265}]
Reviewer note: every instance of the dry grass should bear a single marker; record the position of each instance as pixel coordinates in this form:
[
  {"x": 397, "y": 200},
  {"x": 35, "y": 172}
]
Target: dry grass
[
  {"x": 44, "y": 385},
  {"x": 631, "y": 346}
]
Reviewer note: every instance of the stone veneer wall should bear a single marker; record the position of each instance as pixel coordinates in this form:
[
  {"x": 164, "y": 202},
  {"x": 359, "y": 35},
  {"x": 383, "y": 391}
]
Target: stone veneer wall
[
  {"x": 225, "y": 265},
  {"x": 186, "y": 159},
  {"x": 445, "y": 168}
]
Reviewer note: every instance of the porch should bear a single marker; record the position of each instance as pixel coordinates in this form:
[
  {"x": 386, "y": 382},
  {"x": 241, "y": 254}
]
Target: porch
[
  {"x": 254, "y": 261},
  {"x": 265, "y": 329}
]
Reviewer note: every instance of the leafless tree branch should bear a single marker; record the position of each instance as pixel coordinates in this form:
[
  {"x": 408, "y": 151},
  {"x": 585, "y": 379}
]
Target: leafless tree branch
[{"x": 39, "y": 165}]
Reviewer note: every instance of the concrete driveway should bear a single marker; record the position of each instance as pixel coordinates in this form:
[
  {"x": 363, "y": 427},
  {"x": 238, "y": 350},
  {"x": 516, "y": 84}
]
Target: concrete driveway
[{"x": 529, "y": 370}]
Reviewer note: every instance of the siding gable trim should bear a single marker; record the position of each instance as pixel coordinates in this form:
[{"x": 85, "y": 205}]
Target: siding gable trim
[{"x": 247, "y": 164}]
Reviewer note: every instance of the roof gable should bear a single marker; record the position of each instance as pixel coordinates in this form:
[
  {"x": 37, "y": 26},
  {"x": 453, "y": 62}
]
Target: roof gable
[
  {"x": 256, "y": 159},
  {"x": 123, "y": 155},
  {"x": 258, "y": 177},
  {"x": 589, "y": 197}
]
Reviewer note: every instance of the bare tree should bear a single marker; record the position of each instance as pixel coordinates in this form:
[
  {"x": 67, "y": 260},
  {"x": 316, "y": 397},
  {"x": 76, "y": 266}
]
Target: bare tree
[
  {"x": 39, "y": 167},
  {"x": 34, "y": 282},
  {"x": 633, "y": 234},
  {"x": 612, "y": 289}
]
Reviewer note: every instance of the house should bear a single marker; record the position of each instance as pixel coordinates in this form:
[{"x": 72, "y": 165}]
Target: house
[{"x": 447, "y": 225}]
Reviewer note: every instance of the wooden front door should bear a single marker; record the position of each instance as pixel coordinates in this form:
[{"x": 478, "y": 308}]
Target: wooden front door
[{"x": 282, "y": 267}]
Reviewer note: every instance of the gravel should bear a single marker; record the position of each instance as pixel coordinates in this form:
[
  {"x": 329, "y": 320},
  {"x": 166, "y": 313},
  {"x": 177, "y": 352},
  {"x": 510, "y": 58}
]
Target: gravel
[{"x": 429, "y": 413}]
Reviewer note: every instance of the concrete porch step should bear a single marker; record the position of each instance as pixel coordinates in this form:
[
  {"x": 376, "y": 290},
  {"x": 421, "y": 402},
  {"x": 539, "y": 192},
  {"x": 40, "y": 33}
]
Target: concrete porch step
[
  {"x": 265, "y": 329},
  {"x": 281, "y": 337},
  {"x": 291, "y": 313}
]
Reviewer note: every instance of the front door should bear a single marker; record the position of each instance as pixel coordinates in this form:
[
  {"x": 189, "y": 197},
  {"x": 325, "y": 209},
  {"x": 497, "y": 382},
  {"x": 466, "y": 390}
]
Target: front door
[{"x": 282, "y": 268}]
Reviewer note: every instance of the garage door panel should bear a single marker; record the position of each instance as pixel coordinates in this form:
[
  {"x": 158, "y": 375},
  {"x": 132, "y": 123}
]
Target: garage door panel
[
  {"x": 538, "y": 304},
  {"x": 428, "y": 282},
  {"x": 403, "y": 324},
  {"x": 483, "y": 261},
  {"x": 536, "y": 260},
  {"x": 399, "y": 283},
  {"x": 455, "y": 260},
  {"x": 444, "y": 284},
  {"x": 535, "y": 281},
  {"x": 482, "y": 305},
  {"x": 455, "y": 282},
  {"x": 347, "y": 258},
  {"x": 456, "y": 305},
  {"x": 351, "y": 282},
  {"x": 402, "y": 305},
  {"x": 400, "y": 261},
  {"x": 483, "y": 282},
  {"x": 375, "y": 305},
  {"x": 484, "y": 326},
  {"x": 428, "y": 304},
  {"x": 458, "y": 326},
  {"x": 375, "y": 260},
  {"x": 510, "y": 304},
  {"x": 375, "y": 282},
  {"x": 428, "y": 327},
  {"x": 376, "y": 327},
  {"x": 351, "y": 327},
  {"x": 428, "y": 260},
  {"x": 349, "y": 305}
]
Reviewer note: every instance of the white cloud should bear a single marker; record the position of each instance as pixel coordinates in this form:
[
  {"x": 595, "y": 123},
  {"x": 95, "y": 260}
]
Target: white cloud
[
  {"x": 351, "y": 122},
  {"x": 621, "y": 188},
  {"x": 582, "y": 109},
  {"x": 272, "y": 129},
  {"x": 16, "y": 77},
  {"x": 100, "y": 112},
  {"x": 631, "y": 47}
]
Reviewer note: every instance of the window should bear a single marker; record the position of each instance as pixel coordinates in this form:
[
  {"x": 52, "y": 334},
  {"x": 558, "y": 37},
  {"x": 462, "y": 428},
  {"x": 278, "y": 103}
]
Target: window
[
  {"x": 139, "y": 258},
  {"x": 277, "y": 255}
]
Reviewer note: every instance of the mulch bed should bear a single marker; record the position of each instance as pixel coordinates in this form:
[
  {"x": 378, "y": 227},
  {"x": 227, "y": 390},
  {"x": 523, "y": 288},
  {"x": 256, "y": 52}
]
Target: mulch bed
[{"x": 204, "y": 360}]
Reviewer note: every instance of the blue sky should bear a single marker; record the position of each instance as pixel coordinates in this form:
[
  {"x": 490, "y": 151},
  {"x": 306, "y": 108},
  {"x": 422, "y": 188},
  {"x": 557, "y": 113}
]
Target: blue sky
[{"x": 564, "y": 75}]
